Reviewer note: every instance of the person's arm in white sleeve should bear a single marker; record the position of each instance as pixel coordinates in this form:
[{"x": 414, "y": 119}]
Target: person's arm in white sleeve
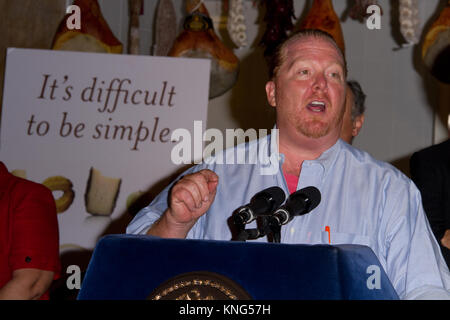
[
  {"x": 414, "y": 262},
  {"x": 175, "y": 211}
]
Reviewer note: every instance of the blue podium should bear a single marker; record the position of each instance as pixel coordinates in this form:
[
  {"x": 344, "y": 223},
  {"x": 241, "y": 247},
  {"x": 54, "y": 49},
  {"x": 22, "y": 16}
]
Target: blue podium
[{"x": 131, "y": 267}]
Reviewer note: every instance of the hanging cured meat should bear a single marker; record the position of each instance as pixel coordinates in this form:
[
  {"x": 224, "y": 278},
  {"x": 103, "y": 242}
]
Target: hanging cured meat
[
  {"x": 165, "y": 28},
  {"x": 359, "y": 9},
  {"x": 236, "y": 23},
  {"x": 409, "y": 21},
  {"x": 133, "y": 34},
  {"x": 436, "y": 46},
  {"x": 94, "y": 35},
  {"x": 278, "y": 18},
  {"x": 323, "y": 17},
  {"x": 199, "y": 40}
]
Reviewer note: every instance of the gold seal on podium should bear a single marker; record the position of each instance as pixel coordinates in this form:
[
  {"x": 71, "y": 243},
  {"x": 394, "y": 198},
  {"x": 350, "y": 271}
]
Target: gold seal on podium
[{"x": 199, "y": 285}]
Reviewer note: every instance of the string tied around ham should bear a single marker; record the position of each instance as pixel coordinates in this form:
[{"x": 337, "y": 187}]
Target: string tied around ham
[{"x": 197, "y": 6}]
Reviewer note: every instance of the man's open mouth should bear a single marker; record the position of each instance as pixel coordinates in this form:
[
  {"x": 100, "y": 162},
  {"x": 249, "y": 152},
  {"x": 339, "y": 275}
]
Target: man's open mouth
[{"x": 316, "y": 106}]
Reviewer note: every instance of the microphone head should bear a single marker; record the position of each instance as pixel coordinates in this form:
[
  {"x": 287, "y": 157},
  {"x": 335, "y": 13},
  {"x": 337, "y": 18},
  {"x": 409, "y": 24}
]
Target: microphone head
[
  {"x": 302, "y": 201},
  {"x": 276, "y": 194},
  {"x": 262, "y": 203},
  {"x": 299, "y": 203},
  {"x": 313, "y": 196},
  {"x": 267, "y": 200}
]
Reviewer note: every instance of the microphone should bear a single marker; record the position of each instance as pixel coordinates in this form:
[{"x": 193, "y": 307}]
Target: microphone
[
  {"x": 264, "y": 202},
  {"x": 299, "y": 203}
]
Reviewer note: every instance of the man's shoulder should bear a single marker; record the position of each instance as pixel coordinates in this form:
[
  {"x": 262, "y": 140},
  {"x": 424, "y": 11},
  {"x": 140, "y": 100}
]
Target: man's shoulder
[
  {"x": 24, "y": 187},
  {"x": 365, "y": 161},
  {"x": 440, "y": 151},
  {"x": 358, "y": 156},
  {"x": 18, "y": 185}
]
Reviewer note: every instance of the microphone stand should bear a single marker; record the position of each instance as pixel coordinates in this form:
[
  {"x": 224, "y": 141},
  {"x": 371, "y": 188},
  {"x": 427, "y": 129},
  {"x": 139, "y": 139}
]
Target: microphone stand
[
  {"x": 242, "y": 233},
  {"x": 248, "y": 234},
  {"x": 275, "y": 228},
  {"x": 267, "y": 226}
]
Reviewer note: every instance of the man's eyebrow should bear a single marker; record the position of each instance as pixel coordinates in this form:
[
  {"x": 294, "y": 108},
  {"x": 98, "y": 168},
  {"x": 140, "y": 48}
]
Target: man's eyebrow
[
  {"x": 297, "y": 61},
  {"x": 293, "y": 63},
  {"x": 338, "y": 65}
]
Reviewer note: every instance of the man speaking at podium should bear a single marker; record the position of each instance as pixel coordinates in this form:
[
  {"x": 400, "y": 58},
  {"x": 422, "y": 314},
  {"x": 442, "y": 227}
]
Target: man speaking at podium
[{"x": 364, "y": 201}]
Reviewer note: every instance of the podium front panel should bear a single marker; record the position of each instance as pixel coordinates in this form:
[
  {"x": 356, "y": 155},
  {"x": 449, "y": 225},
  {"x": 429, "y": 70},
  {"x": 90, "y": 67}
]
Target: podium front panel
[{"x": 132, "y": 267}]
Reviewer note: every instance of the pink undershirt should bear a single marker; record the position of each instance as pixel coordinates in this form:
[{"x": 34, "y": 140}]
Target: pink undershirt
[{"x": 292, "y": 181}]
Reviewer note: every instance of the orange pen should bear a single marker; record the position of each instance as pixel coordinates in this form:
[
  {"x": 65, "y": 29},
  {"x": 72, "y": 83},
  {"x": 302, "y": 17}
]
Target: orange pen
[{"x": 327, "y": 229}]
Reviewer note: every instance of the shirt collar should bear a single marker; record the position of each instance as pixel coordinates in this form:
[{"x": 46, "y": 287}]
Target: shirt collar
[
  {"x": 272, "y": 142},
  {"x": 325, "y": 160},
  {"x": 328, "y": 157}
]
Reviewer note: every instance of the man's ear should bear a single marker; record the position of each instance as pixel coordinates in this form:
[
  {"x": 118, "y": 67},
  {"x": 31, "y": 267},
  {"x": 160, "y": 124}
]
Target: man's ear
[
  {"x": 270, "y": 92},
  {"x": 357, "y": 125}
]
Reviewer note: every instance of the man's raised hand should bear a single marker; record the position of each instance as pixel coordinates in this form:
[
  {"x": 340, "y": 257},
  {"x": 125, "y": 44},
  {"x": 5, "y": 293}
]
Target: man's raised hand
[{"x": 189, "y": 199}]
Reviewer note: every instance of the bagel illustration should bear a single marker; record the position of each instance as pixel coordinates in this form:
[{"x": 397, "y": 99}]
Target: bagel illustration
[
  {"x": 60, "y": 183},
  {"x": 19, "y": 173}
]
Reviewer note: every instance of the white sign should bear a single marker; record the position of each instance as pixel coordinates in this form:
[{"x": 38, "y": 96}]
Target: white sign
[{"x": 96, "y": 128}]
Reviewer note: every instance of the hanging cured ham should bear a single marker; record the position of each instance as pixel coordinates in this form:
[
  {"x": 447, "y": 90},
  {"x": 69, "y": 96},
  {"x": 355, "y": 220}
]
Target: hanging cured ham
[
  {"x": 323, "y": 17},
  {"x": 94, "y": 35},
  {"x": 436, "y": 46},
  {"x": 199, "y": 40},
  {"x": 278, "y": 18}
]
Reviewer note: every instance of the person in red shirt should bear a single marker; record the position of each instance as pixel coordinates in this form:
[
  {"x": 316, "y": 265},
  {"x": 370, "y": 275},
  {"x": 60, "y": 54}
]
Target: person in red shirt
[{"x": 29, "y": 238}]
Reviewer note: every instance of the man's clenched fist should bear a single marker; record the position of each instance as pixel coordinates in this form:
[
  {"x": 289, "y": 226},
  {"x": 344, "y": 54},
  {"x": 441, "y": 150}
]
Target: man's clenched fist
[{"x": 189, "y": 199}]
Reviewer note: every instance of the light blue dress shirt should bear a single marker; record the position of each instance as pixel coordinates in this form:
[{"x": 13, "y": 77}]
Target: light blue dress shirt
[{"x": 364, "y": 201}]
